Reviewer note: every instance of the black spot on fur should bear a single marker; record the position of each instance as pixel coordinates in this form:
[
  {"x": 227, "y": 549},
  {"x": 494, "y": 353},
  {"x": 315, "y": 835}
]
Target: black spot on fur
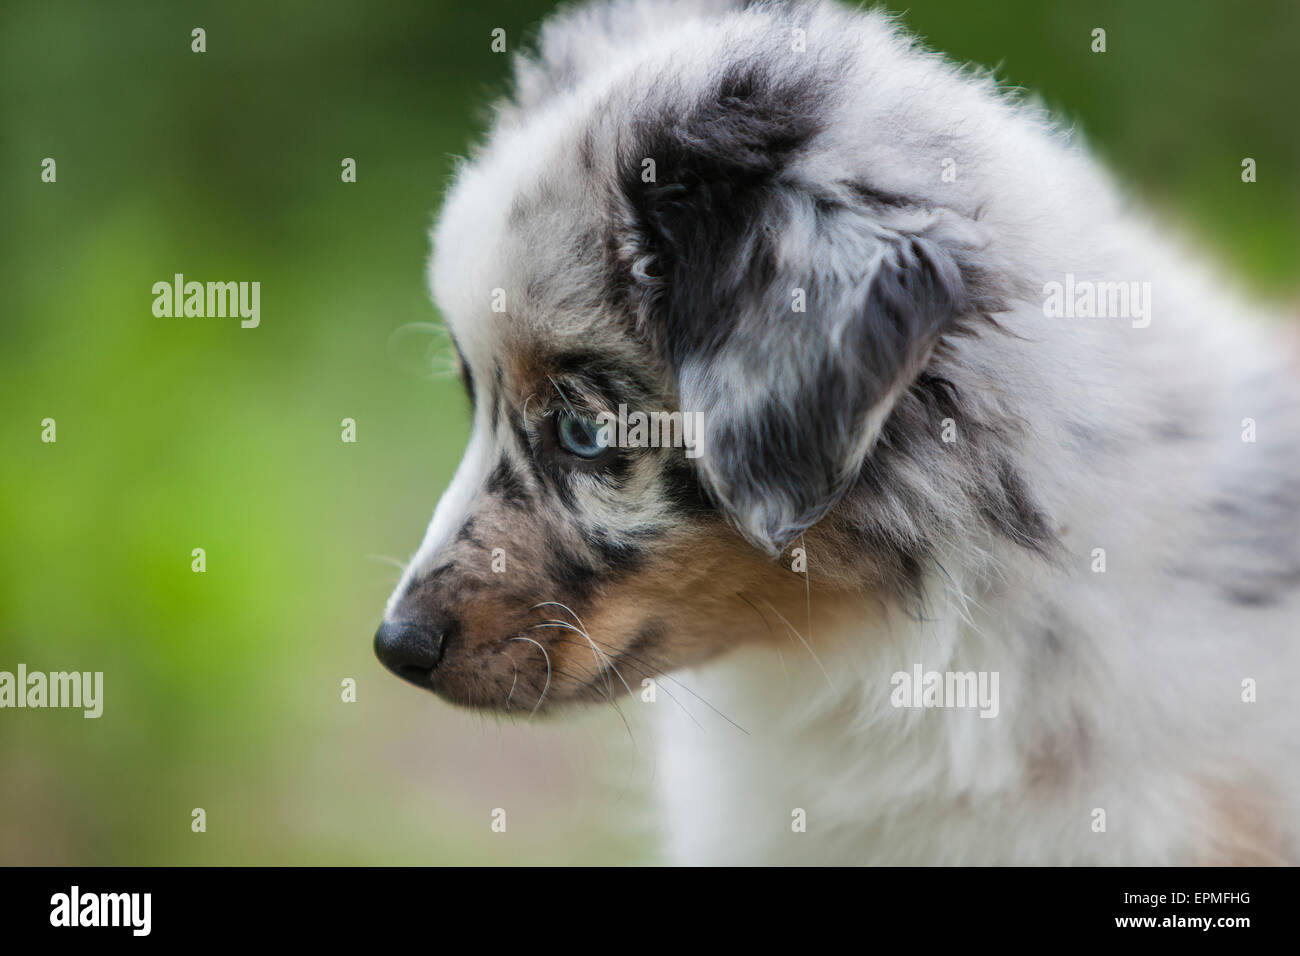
[
  {"x": 897, "y": 565},
  {"x": 1173, "y": 430},
  {"x": 1263, "y": 593},
  {"x": 496, "y": 398},
  {"x": 715, "y": 169},
  {"x": 554, "y": 477},
  {"x": 1251, "y": 552},
  {"x": 587, "y": 152},
  {"x": 571, "y": 574},
  {"x": 466, "y": 533},
  {"x": 612, "y": 380},
  {"x": 522, "y": 442},
  {"x": 940, "y": 396},
  {"x": 466, "y": 376},
  {"x": 617, "y": 555},
  {"x": 1014, "y": 513},
  {"x": 433, "y": 575},
  {"x": 875, "y": 196},
  {"x": 641, "y": 651},
  {"x": 682, "y": 488},
  {"x": 506, "y": 483}
]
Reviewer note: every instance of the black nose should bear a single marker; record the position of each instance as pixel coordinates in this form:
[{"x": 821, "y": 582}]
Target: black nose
[{"x": 410, "y": 650}]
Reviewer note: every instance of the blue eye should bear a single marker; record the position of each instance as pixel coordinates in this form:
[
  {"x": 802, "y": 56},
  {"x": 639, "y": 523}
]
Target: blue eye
[{"x": 579, "y": 436}]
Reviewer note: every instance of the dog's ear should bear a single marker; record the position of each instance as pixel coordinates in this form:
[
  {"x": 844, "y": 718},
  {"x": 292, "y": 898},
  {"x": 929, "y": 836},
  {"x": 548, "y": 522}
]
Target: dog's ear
[{"x": 792, "y": 313}]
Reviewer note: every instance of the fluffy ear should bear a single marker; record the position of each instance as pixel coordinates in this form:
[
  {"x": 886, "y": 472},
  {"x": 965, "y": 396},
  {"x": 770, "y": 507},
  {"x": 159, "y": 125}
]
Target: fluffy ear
[{"x": 792, "y": 313}]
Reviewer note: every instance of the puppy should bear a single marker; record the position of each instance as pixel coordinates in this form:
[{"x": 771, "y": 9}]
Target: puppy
[{"x": 987, "y": 548}]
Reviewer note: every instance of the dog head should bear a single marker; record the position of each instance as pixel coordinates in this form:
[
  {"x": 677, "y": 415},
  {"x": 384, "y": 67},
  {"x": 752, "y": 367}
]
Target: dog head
[{"x": 688, "y": 234}]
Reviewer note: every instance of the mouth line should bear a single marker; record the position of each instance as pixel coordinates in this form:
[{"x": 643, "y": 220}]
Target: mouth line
[
  {"x": 419, "y": 676},
  {"x": 606, "y": 684},
  {"x": 588, "y": 689}
]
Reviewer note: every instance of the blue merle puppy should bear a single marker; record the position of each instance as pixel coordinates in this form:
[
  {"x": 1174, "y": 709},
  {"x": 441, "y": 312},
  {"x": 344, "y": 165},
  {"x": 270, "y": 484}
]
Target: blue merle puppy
[{"x": 973, "y": 430}]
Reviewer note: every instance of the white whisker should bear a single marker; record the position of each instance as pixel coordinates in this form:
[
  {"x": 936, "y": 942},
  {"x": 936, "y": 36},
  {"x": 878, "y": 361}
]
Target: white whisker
[
  {"x": 548, "y": 674},
  {"x": 801, "y": 640}
]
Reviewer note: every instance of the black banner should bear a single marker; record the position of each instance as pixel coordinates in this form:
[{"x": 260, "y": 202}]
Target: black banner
[{"x": 333, "y": 904}]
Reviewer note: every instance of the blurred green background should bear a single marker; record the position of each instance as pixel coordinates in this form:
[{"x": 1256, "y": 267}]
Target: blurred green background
[{"x": 223, "y": 688}]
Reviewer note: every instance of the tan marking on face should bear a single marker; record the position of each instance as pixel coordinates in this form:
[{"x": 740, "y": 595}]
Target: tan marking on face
[
  {"x": 528, "y": 373},
  {"x": 705, "y": 592}
]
